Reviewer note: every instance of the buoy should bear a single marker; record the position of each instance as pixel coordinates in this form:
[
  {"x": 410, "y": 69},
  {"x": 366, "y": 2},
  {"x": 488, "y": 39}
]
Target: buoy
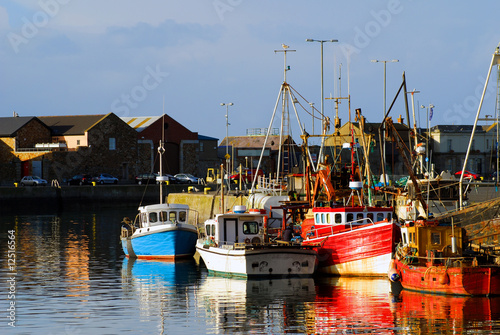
[
  {"x": 393, "y": 273},
  {"x": 445, "y": 279}
]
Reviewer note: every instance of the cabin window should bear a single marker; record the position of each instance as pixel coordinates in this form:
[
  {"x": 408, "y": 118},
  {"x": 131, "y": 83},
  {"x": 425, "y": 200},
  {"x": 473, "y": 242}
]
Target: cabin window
[
  {"x": 404, "y": 239},
  {"x": 338, "y": 218},
  {"x": 360, "y": 217},
  {"x": 323, "y": 218},
  {"x": 317, "y": 218},
  {"x": 213, "y": 230},
  {"x": 380, "y": 216},
  {"x": 163, "y": 216},
  {"x": 144, "y": 220},
  {"x": 327, "y": 218},
  {"x": 209, "y": 230},
  {"x": 172, "y": 216},
  {"x": 436, "y": 238},
  {"x": 370, "y": 217},
  {"x": 350, "y": 217},
  {"x": 250, "y": 228},
  {"x": 153, "y": 217},
  {"x": 182, "y": 216}
]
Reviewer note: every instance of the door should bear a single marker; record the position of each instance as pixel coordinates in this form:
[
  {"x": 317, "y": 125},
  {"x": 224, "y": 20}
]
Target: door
[
  {"x": 230, "y": 230},
  {"x": 37, "y": 168},
  {"x": 25, "y": 166}
]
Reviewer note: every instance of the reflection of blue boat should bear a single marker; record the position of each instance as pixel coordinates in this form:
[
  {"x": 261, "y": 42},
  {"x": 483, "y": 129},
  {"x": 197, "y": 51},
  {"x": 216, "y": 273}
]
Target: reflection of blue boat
[
  {"x": 172, "y": 273},
  {"x": 161, "y": 231}
]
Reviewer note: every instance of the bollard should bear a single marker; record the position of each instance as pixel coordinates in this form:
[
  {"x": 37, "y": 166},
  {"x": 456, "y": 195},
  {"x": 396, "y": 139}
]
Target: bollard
[
  {"x": 167, "y": 182},
  {"x": 190, "y": 189},
  {"x": 206, "y": 189},
  {"x": 94, "y": 183},
  {"x": 16, "y": 184}
]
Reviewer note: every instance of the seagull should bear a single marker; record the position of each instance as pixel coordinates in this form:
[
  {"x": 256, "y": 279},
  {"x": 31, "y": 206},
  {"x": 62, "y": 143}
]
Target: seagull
[{"x": 284, "y": 46}]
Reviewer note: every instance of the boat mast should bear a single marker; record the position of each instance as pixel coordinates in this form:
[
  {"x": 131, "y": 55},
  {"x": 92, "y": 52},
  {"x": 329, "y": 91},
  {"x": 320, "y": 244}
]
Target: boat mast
[{"x": 495, "y": 60}]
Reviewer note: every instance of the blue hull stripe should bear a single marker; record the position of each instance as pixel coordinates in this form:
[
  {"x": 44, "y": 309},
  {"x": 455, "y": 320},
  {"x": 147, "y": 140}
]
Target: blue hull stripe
[{"x": 167, "y": 243}]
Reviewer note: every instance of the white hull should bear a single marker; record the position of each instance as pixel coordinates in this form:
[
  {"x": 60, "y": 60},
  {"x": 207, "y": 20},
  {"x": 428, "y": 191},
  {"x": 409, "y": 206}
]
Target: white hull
[
  {"x": 266, "y": 261},
  {"x": 374, "y": 266}
]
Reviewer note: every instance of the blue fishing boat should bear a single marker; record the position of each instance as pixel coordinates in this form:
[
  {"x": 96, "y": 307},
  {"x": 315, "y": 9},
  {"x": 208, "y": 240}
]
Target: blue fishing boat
[{"x": 160, "y": 231}]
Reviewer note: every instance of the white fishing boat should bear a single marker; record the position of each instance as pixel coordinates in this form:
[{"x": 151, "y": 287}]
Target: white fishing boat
[{"x": 237, "y": 244}]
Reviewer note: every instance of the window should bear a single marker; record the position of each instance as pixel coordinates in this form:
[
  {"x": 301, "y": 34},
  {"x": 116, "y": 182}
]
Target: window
[
  {"x": 323, "y": 218},
  {"x": 317, "y": 218},
  {"x": 201, "y": 146},
  {"x": 449, "y": 144},
  {"x": 350, "y": 217},
  {"x": 163, "y": 216},
  {"x": 327, "y": 218},
  {"x": 250, "y": 228},
  {"x": 380, "y": 216},
  {"x": 172, "y": 216},
  {"x": 209, "y": 230},
  {"x": 487, "y": 144},
  {"x": 182, "y": 216},
  {"x": 436, "y": 238},
  {"x": 77, "y": 142},
  {"x": 360, "y": 217},
  {"x": 153, "y": 217},
  {"x": 370, "y": 217},
  {"x": 338, "y": 218},
  {"x": 473, "y": 146},
  {"x": 112, "y": 143}
]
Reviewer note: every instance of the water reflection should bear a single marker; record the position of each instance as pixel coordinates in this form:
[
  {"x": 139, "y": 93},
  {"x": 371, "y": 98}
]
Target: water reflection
[
  {"x": 446, "y": 314},
  {"x": 271, "y": 305},
  {"x": 72, "y": 278}
]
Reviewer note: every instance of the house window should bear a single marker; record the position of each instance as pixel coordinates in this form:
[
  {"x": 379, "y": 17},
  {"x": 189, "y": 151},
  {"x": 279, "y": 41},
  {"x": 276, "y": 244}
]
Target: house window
[
  {"x": 488, "y": 144},
  {"x": 201, "y": 146},
  {"x": 112, "y": 143},
  {"x": 473, "y": 147},
  {"x": 77, "y": 142},
  {"x": 449, "y": 145}
]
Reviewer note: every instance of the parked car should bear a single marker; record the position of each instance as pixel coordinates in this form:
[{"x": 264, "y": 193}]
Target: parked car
[
  {"x": 80, "y": 179},
  {"x": 247, "y": 175},
  {"x": 493, "y": 176},
  {"x": 172, "y": 179},
  {"x": 32, "y": 181},
  {"x": 186, "y": 178},
  {"x": 469, "y": 175},
  {"x": 146, "y": 178},
  {"x": 105, "y": 178}
]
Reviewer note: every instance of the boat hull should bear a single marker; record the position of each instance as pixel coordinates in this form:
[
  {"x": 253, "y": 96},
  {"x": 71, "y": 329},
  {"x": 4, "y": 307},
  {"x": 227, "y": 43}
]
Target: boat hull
[
  {"x": 361, "y": 251},
  {"x": 168, "y": 243},
  {"x": 439, "y": 279},
  {"x": 258, "y": 262}
]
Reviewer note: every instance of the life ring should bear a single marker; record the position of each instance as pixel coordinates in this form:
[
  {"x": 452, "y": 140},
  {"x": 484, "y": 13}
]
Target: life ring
[{"x": 247, "y": 241}]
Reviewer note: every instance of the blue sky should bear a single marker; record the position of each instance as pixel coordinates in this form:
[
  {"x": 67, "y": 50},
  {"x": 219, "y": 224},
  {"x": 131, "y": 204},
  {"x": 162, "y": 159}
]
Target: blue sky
[{"x": 71, "y": 57}]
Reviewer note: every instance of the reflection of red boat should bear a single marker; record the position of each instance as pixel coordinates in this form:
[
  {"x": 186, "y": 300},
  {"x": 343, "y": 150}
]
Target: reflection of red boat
[
  {"x": 444, "y": 312},
  {"x": 347, "y": 305},
  {"x": 431, "y": 259},
  {"x": 352, "y": 240}
]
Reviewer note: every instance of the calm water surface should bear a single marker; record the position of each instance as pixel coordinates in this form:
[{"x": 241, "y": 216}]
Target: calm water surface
[{"x": 71, "y": 278}]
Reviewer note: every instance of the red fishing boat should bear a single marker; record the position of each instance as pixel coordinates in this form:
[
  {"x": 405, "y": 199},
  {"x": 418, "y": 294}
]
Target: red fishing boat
[{"x": 434, "y": 258}]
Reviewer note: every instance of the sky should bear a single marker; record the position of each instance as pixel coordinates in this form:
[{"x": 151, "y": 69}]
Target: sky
[{"x": 185, "y": 58}]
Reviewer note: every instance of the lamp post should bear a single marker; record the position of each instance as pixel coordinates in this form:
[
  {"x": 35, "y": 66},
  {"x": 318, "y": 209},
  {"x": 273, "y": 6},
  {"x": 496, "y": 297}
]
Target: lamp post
[
  {"x": 227, "y": 137},
  {"x": 322, "y": 91},
  {"x": 385, "y": 110},
  {"x": 431, "y": 106}
]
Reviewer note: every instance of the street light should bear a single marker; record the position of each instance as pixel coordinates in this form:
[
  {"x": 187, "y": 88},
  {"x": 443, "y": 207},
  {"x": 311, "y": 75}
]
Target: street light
[
  {"x": 227, "y": 136},
  {"x": 429, "y": 117},
  {"x": 322, "y": 91},
  {"x": 385, "y": 111}
]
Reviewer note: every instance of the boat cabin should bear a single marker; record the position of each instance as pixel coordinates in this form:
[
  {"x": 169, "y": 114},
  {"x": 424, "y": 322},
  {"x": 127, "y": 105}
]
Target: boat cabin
[
  {"x": 155, "y": 215},
  {"x": 238, "y": 227},
  {"x": 427, "y": 239},
  {"x": 348, "y": 215}
]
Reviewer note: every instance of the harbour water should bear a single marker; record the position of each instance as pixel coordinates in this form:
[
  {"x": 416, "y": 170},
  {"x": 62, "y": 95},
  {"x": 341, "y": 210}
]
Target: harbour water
[{"x": 65, "y": 273}]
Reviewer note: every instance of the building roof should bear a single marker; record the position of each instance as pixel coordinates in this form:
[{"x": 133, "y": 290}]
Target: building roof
[
  {"x": 254, "y": 141},
  {"x": 458, "y": 128},
  {"x": 10, "y": 125},
  {"x": 70, "y": 125},
  {"x": 140, "y": 123},
  {"x": 206, "y": 138}
]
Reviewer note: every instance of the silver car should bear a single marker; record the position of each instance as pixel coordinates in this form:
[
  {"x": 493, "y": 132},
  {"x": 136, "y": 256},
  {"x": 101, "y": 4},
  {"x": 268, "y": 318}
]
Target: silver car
[{"x": 33, "y": 181}]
